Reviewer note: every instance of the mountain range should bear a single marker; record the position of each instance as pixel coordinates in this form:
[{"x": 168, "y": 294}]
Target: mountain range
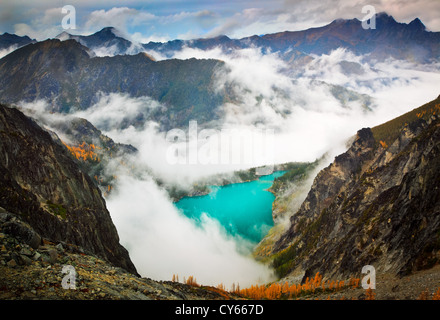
[
  {"x": 375, "y": 204},
  {"x": 407, "y": 41},
  {"x": 71, "y": 76},
  {"x": 8, "y": 40},
  {"x": 389, "y": 39},
  {"x": 44, "y": 186}
]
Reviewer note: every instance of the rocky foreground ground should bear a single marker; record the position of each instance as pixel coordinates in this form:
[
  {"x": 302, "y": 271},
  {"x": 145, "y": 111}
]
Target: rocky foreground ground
[{"x": 32, "y": 268}]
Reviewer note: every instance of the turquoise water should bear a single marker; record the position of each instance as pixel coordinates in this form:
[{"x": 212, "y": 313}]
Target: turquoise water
[{"x": 243, "y": 209}]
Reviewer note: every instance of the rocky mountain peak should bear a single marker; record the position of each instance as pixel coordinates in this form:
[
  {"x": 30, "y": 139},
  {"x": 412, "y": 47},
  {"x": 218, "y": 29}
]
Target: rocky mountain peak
[
  {"x": 108, "y": 33},
  {"x": 416, "y": 24}
]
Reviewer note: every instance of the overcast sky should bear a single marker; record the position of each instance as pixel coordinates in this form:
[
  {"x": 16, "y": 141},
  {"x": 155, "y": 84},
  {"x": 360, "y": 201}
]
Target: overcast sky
[{"x": 177, "y": 19}]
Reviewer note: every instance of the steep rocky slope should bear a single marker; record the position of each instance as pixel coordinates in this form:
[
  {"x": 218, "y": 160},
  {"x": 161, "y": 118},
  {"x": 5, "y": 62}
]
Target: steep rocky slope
[
  {"x": 376, "y": 204},
  {"x": 42, "y": 184}
]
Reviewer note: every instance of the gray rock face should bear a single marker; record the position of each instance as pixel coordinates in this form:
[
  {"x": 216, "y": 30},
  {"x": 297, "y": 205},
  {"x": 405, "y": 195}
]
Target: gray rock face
[
  {"x": 44, "y": 185},
  {"x": 19, "y": 229},
  {"x": 374, "y": 204}
]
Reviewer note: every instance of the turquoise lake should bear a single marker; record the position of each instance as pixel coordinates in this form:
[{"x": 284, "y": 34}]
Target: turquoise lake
[{"x": 243, "y": 209}]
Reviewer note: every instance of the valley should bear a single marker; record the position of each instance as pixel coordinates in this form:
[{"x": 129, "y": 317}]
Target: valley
[{"x": 118, "y": 158}]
